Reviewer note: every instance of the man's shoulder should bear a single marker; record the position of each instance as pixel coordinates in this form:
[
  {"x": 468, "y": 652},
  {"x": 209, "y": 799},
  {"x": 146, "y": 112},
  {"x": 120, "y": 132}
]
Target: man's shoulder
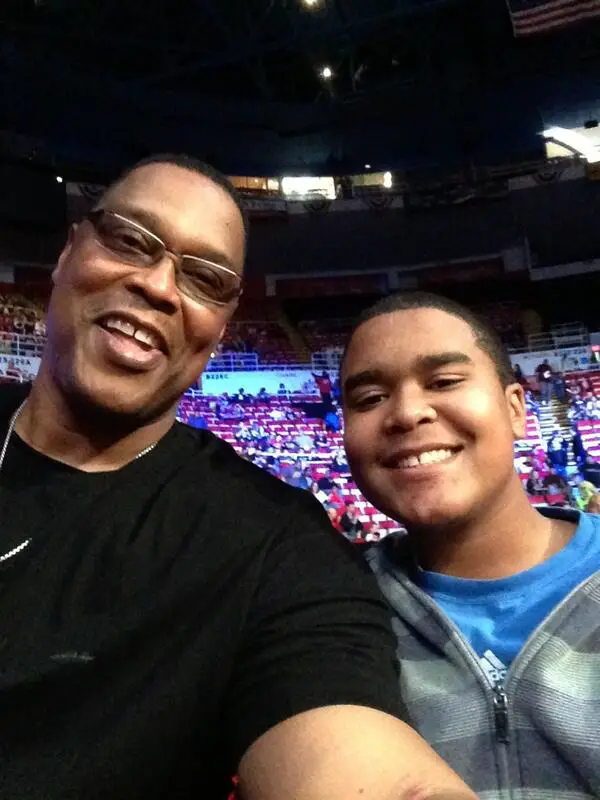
[
  {"x": 12, "y": 395},
  {"x": 243, "y": 482},
  {"x": 13, "y": 391},
  {"x": 393, "y": 554}
]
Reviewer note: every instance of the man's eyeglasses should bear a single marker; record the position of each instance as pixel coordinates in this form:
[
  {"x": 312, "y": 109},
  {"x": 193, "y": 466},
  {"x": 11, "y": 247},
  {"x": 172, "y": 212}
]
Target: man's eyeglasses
[{"x": 129, "y": 242}]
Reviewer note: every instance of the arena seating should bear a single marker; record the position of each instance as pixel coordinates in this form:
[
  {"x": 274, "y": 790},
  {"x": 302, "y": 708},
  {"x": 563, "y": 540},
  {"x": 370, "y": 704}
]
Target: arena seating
[
  {"x": 590, "y": 433},
  {"x": 281, "y": 431},
  {"x": 320, "y": 335},
  {"x": 267, "y": 339},
  {"x": 589, "y": 428},
  {"x": 257, "y": 327}
]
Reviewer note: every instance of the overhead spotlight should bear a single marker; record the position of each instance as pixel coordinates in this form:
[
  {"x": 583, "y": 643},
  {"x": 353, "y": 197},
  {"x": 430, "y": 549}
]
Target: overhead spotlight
[
  {"x": 367, "y": 166},
  {"x": 311, "y": 3},
  {"x": 387, "y": 180},
  {"x": 575, "y": 142},
  {"x": 327, "y": 73},
  {"x": 59, "y": 179}
]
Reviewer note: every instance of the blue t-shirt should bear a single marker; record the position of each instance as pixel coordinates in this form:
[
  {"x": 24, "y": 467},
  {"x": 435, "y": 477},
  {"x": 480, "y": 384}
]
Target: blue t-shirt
[{"x": 498, "y": 616}]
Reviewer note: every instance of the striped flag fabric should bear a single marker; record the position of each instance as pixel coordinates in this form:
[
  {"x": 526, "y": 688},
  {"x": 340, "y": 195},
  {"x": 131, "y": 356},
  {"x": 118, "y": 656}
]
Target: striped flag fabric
[{"x": 539, "y": 16}]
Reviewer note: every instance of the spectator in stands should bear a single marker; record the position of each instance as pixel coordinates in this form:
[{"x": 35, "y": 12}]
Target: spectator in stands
[
  {"x": 531, "y": 404},
  {"x": 374, "y": 534},
  {"x": 332, "y": 421},
  {"x": 263, "y": 396},
  {"x": 304, "y": 442},
  {"x": 321, "y": 496},
  {"x": 282, "y": 391},
  {"x": 557, "y": 489},
  {"x": 258, "y": 435},
  {"x": 592, "y": 408},
  {"x": 339, "y": 465},
  {"x": 544, "y": 376},
  {"x": 558, "y": 454},
  {"x": 241, "y": 396},
  {"x": 591, "y": 471},
  {"x": 242, "y": 433},
  {"x": 585, "y": 491},
  {"x": 233, "y": 411},
  {"x": 350, "y": 524},
  {"x": 277, "y": 414},
  {"x": 320, "y": 439},
  {"x": 334, "y": 517},
  {"x": 579, "y": 451},
  {"x": 519, "y": 377},
  {"x": 482, "y": 579},
  {"x": 577, "y": 410},
  {"x": 535, "y": 485},
  {"x": 540, "y": 461},
  {"x": 324, "y": 386},
  {"x": 593, "y": 506},
  {"x": 300, "y": 479},
  {"x": 174, "y": 615},
  {"x": 337, "y": 392},
  {"x": 559, "y": 385},
  {"x": 336, "y": 500},
  {"x": 326, "y": 482},
  {"x": 273, "y": 466}
]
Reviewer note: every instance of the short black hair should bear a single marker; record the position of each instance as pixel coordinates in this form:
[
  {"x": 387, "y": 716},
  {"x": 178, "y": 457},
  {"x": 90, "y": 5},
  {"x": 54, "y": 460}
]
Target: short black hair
[
  {"x": 485, "y": 336},
  {"x": 194, "y": 165}
]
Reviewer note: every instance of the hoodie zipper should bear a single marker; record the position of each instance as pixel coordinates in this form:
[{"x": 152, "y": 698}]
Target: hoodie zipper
[{"x": 501, "y": 714}]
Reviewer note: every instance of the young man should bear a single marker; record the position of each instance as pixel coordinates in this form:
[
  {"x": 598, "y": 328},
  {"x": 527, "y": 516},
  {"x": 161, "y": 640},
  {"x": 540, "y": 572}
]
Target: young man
[
  {"x": 497, "y": 606},
  {"x": 171, "y": 614}
]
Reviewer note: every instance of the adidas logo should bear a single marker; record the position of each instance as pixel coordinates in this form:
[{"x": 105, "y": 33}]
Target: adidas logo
[{"x": 494, "y": 669}]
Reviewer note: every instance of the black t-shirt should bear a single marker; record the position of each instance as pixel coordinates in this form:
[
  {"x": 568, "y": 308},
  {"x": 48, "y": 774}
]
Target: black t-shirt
[{"x": 164, "y": 616}]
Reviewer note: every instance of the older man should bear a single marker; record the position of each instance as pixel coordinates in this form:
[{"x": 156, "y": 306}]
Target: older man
[{"x": 170, "y": 614}]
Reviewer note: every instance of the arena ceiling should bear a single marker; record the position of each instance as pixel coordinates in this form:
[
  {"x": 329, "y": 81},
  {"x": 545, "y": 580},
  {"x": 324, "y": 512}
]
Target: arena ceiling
[{"x": 90, "y": 85}]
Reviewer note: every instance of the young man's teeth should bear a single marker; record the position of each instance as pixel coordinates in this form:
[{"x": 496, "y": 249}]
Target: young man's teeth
[{"x": 429, "y": 457}]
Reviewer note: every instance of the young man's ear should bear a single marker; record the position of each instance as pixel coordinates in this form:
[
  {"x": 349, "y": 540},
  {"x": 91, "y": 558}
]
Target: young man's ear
[
  {"x": 515, "y": 398},
  {"x": 65, "y": 252}
]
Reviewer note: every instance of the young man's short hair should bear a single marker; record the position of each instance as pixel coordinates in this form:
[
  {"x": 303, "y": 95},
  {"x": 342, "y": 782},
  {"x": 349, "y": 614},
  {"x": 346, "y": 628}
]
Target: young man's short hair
[{"x": 485, "y": 336}]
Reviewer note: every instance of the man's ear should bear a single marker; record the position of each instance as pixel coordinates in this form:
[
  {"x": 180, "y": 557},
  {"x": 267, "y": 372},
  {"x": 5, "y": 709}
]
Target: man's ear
[
  {"x": 64, "y": 253},
  {"x": 515, "y": 399}
]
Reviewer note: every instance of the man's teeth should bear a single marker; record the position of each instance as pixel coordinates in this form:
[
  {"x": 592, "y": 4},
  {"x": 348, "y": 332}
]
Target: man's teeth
[
  {"x": 128, "y": 329},
  {"x": 146, "y": 337},
  {"x": 429, "y": 457},
  {"x": 121, "y": 325}
]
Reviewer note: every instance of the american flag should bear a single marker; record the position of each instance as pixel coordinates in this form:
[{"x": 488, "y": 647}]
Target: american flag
[{"x": 538, "y": 16}]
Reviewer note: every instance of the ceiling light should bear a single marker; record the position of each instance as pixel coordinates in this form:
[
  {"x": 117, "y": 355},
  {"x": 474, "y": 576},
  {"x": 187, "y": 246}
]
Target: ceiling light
[
  {"x": 311, "y": 3},
  {"x": 387, "y": 180},
  {"x": 59, "y": 179},
  {"x": 367, "y": 166},
  {"x": 327, "y": 73},
  {"x": 575, "y": 142}
]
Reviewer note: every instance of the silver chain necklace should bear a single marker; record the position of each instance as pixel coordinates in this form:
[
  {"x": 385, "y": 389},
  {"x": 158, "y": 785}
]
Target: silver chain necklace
[
  {"x": 13, "y": 422},
  {"x": 9, "y": 432}
]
